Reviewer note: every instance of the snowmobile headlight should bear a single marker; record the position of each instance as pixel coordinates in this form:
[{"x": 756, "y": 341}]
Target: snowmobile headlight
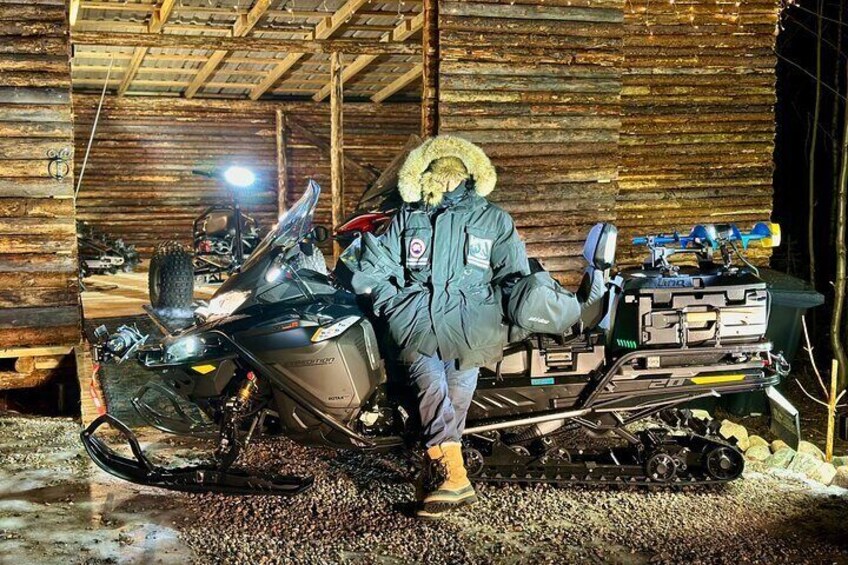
[
  {"x": 195, "y": 348},
  {"x": 335, "y": 329}
]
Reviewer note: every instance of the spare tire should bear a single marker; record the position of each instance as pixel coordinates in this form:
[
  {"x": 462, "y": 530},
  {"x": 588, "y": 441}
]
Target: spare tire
[{"x": 171, "y": 277}]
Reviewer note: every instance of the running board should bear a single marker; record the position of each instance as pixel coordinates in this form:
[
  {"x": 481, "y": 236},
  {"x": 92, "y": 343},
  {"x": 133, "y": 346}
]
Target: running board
[{"x": 197, "y": 478}]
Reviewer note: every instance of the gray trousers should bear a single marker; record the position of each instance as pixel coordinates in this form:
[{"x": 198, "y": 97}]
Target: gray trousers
[{"x": 444, "y": 396}]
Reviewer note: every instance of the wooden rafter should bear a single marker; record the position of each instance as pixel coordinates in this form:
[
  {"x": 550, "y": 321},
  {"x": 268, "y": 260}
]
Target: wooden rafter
[
  {"x": 132, "y": 69},
  {"x": 171, "y": 41},
  {"x": 161, "y": 13},
  {"x": 401, "y": 82},
  {"x": 402, "y": 32},
  {"x": 242, "y": 27},
  {"x": 327, "y": 27}
]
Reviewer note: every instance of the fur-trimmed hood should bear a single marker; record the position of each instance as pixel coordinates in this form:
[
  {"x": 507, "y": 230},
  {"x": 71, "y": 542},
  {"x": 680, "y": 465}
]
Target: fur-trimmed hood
[{"x": 414, "y": 179}]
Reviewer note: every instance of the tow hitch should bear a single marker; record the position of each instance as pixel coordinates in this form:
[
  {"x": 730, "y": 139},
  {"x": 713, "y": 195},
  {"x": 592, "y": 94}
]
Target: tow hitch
[{"x": 197, "y": 478}]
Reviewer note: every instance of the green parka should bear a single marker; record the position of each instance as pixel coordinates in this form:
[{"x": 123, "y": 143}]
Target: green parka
[{"x": 436, "y": 275}]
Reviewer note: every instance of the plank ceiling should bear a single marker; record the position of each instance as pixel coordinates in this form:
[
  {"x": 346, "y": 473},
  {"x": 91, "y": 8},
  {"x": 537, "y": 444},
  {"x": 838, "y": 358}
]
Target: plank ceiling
[{"x": 142, "y": 70}]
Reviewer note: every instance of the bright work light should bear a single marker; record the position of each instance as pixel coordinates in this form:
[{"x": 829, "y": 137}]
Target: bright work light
[{"x": 239, "y": 177}]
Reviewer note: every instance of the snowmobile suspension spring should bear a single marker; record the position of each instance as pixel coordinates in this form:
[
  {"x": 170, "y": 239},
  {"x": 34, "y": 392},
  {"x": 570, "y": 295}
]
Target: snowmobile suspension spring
[{"x": 249, "y": 387}]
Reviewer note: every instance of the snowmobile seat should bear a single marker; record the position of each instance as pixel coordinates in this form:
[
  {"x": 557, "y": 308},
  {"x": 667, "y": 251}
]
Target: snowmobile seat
[{"x": 218, "y": 222}]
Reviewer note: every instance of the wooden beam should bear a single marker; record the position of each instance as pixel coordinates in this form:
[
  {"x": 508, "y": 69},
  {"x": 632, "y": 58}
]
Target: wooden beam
[
  {"x": 430, "y": 69},
  {"x": 160, "y": 15},
  {"x": 244, "y": 24},
  {"x": 398, "y": 84},
  {"x": 282, "y": 164},
  {"x": 73, "y": 12},
  {"x": 206, "y": 71},
  {"x": 251, "y": 43},
  {"x": 248, "y": 21},
  {"x": 327, "y": 27},
  {"x": 401, "y": 32},
  {"x": 132, "y": 69},
  {"x": 35, "y": 351},
  {"x": 323, "y": 145},
  {"x": 336, "y": 146},
  {"x": 350, "y": 71}
]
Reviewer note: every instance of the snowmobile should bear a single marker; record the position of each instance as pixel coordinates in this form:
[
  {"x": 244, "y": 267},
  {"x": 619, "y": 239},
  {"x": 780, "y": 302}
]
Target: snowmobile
[
  {"x": 604, "y": 403},
  {"x": 215, "y": 253},
  {"x": 102, "y": 255}
]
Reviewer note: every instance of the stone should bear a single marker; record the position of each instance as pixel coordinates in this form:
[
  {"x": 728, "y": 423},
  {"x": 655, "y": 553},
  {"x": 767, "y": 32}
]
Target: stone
[
  {"x": 841, "y": 478},
  {"x": 756, "y": 440},
  {"x": 730, "y": 430},
  {"x": 840, "y": 461},
  {"x": 804, "y": 463},
  {"x": 811, "y": 449},
  {"x": 824, "y": 473},
  {"x": 781, "y": 458},
  {"x": 758, "y": 453},
  {"x": 777, "y": 445}
]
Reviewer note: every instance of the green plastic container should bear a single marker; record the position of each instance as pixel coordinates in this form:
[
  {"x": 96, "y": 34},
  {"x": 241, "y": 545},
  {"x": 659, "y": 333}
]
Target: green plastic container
[{"x": 791, "y": 297}]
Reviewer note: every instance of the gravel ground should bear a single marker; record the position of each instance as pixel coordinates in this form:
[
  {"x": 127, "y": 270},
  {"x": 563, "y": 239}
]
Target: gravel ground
[{"x": 55, "y": 508}]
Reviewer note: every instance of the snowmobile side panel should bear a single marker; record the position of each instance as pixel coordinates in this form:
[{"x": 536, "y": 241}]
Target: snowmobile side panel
[{"x": 201, "y": 478}]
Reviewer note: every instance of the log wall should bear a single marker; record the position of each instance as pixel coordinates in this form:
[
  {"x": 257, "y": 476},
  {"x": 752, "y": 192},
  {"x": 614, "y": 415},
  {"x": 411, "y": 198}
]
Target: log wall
[
  {"x": 652, "y": 115},
  {"x": 39, "y": 296},
  {"x": 138, "y": 183},
  {"x": 698, "y": 123}
]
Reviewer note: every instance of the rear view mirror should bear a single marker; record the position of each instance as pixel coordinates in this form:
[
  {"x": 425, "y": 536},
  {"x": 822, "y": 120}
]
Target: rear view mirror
[{"x": 319, "y": 234}]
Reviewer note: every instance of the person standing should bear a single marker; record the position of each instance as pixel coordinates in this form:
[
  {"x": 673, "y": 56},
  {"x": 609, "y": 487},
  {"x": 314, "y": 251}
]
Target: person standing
[{"x": 436, "y": 279}]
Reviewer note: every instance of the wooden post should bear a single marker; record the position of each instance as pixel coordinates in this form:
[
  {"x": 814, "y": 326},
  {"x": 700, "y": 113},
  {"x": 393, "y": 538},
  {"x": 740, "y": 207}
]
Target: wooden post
[
  {"x": 831, "y": 410},
  {"x": 282, "y": 164},
  {"x": 336, "y": 145},
  {"x": 430, "y": 53}
]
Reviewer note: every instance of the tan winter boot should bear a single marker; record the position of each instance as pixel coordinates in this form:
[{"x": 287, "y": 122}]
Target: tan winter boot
[{"x": 450, "y": 487}]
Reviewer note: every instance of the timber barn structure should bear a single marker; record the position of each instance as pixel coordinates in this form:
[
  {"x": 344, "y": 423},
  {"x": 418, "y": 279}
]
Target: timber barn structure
[{"x": 646, "y": 114}]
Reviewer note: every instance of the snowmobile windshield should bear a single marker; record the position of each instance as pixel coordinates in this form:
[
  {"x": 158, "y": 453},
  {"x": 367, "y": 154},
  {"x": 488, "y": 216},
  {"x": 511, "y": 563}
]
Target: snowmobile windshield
[{"x": 294, "y": 225}]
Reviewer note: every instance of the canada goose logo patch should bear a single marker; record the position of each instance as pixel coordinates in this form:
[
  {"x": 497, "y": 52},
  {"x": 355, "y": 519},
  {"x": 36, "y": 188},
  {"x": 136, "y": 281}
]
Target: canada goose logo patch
[
  {"x": 417, "y": 247},
  {"x": 416, "y": 252}
]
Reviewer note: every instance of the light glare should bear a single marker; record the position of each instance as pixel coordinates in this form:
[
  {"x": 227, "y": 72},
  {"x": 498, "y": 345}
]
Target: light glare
[{"x": 239, "y": 177}]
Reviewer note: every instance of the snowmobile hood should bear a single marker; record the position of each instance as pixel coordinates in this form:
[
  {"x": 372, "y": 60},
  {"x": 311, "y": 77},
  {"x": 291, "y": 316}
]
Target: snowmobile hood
[{"x": 415, "y": 179}]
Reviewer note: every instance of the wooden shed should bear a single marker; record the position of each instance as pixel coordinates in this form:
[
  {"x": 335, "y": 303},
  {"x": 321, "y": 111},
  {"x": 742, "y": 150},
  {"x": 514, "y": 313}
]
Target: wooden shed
[{"x": 653, "y": 115}]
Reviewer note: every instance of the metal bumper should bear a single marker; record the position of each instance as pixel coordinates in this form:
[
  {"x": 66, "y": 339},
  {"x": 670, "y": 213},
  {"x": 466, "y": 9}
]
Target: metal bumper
[
  {"x": 198, "y": 478},
  {"x": 180, "y": 422}
]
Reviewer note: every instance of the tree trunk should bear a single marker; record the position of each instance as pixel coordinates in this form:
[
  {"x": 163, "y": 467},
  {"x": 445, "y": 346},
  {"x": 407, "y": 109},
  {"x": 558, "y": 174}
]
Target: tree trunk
[
  {"x": 834, "y": 118},
  {"x": 839, "y": 283},
  {"x": 811, "y": 161}
]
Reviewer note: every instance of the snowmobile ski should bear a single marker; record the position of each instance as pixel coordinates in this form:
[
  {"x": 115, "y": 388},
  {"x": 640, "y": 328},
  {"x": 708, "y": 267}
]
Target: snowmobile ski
[{"x": 197, "y": 478}]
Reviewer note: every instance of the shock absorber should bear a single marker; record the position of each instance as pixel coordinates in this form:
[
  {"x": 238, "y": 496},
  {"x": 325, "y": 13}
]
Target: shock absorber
[
  {"x": 247, "y": 389},
  {"x": 229, "y": 442}
]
